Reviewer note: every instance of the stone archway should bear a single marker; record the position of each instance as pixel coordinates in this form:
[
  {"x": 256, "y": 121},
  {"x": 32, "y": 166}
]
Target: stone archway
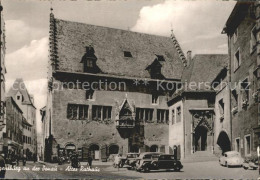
[
  {"x": 224, "y": 142},
  {"x": 94, "y": 151},
  {"x": 154, "y": 148}
]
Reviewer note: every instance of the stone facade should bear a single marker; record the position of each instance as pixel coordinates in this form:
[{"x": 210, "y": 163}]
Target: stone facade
[
  {"x": 241, "y": 29},
  {"x": 2, "y": 79},
  {"x": 14, "y": 129},
  {"x": 133, "y": 117}
]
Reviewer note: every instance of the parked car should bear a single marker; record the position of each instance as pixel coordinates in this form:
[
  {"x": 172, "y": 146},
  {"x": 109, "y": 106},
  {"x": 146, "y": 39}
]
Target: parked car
[
  {"x": 231, "y": 158},
  {"x": 250, "y": 164},
  {"x": 131, "y": 159},
  {"x": 158, "y": 161}
]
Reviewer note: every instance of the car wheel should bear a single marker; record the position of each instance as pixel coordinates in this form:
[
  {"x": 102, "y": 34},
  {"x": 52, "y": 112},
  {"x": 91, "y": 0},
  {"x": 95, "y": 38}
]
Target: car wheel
[
  {"x": 146, "y": 169},
  {"x": 177, "y": 169}
]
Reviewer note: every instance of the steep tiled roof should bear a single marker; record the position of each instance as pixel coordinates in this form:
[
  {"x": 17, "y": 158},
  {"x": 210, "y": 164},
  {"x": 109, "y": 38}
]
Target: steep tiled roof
[
  {"x": 20, "y": 86},
  {"x": 71, "y": 39},
  {"x": 204, "y": 67}
]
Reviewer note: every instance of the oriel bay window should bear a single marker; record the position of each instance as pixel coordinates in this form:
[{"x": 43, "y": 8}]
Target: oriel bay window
[
  {"x": 144, "y": 114},
  {"x": 77, "y": 112},
  {"x": 162, "y": 116},
  {"x": 101, "y": 112}
]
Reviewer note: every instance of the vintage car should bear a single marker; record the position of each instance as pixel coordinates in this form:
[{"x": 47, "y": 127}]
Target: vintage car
[
  {"x": 251, "y": 164},
  {"x": 231, "y": 158},
  {"x": 131, "y": 159},
  {"x": 158, "y": 161}
]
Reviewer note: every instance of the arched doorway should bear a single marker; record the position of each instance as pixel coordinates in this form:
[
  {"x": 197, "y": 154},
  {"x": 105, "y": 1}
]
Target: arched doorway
[
  {"x": 69, "y": 149},
  {"x": 224, "y": 142},
  {"x": 94, "y": 151},
  {"x": 154, "y": 148},
  {"x": 113, "y": 149},
  {"x": 201, "y": 134}
]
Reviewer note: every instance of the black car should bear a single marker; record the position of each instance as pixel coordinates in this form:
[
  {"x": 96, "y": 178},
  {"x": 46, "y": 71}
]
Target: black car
[{"x": 161, "y": 161}]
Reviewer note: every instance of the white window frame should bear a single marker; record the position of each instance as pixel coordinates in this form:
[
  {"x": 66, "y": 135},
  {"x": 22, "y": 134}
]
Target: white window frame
[
  {"x": 235, "y": 59},
  {"x": 245, "y": 145}
]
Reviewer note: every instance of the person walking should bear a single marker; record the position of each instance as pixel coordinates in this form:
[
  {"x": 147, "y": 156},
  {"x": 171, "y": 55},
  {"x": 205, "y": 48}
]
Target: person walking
[
  {"x": 90, "y": 161},
  {"x": 24, "y": 160},
  {"x": 34, "y": 157},
  {"x": 17, "y": 160},
  {"x": 117, "y": 161},
  {"x": 2, "y": 166}
]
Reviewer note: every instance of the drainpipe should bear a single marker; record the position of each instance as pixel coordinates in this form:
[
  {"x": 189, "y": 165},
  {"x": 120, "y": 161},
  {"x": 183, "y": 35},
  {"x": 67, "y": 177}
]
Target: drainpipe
[{"x": 229, "y": 90}]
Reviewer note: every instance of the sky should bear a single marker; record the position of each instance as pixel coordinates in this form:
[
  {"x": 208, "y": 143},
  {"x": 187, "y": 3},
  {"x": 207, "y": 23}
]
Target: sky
[{"x": 197, "y": 26}]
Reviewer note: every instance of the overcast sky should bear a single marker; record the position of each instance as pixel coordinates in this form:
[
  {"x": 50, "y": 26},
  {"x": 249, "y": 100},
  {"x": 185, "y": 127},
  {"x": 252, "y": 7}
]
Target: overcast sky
[{"x": 196, "y": 24}]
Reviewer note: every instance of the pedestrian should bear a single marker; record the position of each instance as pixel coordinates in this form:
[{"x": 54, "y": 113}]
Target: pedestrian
[
  {"x": 2, "y": 166},
  {"x": 117, "y": 161},
  {"x": 90, "y": 161},
  {"x": 17, "y": 160},
  {"x": 34, "y": 157},
  {"x": 24, "y": 160}
]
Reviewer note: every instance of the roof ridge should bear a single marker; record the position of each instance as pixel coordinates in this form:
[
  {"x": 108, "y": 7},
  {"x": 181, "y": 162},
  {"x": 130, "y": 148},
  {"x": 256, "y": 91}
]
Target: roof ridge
[{"x": 111, "y": 28}]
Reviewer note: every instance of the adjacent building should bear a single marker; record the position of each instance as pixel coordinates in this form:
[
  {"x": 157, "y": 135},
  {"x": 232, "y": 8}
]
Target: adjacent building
[
  {"x": 193, "y": 127},
  {"x": 108, "y": 90},
  {"x": 25, "y": 102},
  {"x": 2, "y": 78},
  {"x": 242, "y": 29},
  {"x": 13, "y": 142}
]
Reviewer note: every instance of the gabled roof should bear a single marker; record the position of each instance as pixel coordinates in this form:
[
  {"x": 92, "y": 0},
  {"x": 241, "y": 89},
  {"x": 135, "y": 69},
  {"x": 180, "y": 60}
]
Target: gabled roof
[
  {"x": 71, "y": 38},
  {"x": 204, "y": 68},
  {"x": 20, "y": 86}
]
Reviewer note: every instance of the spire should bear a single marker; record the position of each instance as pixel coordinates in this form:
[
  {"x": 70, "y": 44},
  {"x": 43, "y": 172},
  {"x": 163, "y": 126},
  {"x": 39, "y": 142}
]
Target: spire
[{"x": 178, "y": 48}]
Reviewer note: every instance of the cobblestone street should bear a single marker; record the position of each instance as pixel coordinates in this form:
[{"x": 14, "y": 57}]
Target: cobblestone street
[{"x": 198, "y": 170}]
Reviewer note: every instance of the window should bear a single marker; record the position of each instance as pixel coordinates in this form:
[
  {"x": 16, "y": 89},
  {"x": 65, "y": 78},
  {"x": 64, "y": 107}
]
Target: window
[
  {"x": 18, "y": 97},
  {"x": 162, "y": 116},
  {"x": 144, "y": 114},
  {"x": 89, "y": 94},
  {"x": 127, "y": 54},
  {"x": 235, "y": 97},
  {"x": 89, "y": 63},
  {"x": 237, "y": 148},
  {"x": 253, "y": 40},
  {"x": 77, "y": 112},
  {"x": 235, "y": 35},
  {"x": 245, "y": 90},
  {"x": 173, "y": 116},
  {"x": 101, "y": 112},
  {"x": 237, "y": 60},
  {"x": 247, "y": 145},
  {"x": 155, "y": 98},
  {"x": 178, "y": 117},
  {"x": 221, "y": 106}
]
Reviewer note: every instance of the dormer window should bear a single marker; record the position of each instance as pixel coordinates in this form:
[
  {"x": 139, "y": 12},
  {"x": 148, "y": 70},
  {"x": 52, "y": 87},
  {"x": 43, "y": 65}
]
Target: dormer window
[
  {"x": 160, "y": 57},
  {"x": 18, "y": 97},
  {"x": 127, "y": 54},
  {"x": 89, "y": 61}
]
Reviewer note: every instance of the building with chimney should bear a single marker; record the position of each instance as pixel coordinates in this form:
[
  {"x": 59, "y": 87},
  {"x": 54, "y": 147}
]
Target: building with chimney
[
  {"x": 25, "y": 102},
  {"x": 108, "y": 90}
]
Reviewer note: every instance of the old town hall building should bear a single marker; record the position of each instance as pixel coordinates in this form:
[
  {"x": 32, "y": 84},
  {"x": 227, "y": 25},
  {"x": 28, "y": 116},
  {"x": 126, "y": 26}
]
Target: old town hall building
[{"x": 103, "y": 97}]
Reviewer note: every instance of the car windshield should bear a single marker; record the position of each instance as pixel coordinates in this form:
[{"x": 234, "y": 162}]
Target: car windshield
[
  {"x": 233, "y": 155},
  {"x": 132, "y": 155}
]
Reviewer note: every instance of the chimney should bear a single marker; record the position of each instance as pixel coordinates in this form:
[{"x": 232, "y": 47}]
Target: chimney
[{"x": 189, "y": 54}]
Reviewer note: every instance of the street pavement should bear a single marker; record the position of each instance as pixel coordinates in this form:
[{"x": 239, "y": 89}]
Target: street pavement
[{"x": 193, "y": 170}]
